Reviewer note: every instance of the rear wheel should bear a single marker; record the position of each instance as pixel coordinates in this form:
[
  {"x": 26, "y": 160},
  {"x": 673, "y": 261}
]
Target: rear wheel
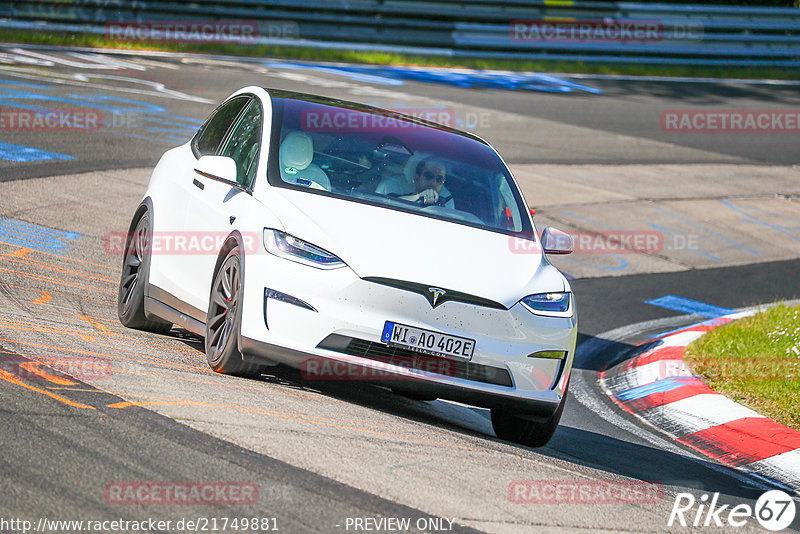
[
  {"x": 513, "y": 428},
  {"x": 224, "y": 320},
  {"x": 132, "y": 285}
]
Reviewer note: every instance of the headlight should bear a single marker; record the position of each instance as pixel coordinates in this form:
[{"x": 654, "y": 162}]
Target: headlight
[
  {"x": 293, "y": 249},
  {"x": 554, "y": 304}
]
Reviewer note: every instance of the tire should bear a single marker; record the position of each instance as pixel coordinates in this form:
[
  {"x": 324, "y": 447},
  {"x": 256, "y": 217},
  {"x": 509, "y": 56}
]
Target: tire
[
  {"x": 134, "y": 279},
  {"x": 224, "y": 320},
  {"x": 510, "y": 427}
]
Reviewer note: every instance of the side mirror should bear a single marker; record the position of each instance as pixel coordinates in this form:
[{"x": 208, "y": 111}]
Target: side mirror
[
  {"x": 219, "y": 168},
  {"x": 556, "y": 242}
]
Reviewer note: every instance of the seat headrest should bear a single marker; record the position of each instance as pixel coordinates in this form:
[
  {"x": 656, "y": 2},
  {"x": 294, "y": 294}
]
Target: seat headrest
[
  {"x": 297, "y": 151},
  {"x": 410, "y": 168}
]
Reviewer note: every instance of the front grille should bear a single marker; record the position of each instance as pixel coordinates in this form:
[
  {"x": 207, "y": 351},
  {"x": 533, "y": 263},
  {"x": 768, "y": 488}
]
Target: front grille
[{"x": 408, "y": 358}]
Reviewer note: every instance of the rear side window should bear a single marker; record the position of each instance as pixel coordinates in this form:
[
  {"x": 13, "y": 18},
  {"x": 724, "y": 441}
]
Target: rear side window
[{"x": 211, "y": 134}]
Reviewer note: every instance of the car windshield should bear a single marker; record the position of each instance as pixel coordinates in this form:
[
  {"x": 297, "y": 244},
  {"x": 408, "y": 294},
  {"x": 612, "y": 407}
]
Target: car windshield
[{"x": 380, "y": 157}]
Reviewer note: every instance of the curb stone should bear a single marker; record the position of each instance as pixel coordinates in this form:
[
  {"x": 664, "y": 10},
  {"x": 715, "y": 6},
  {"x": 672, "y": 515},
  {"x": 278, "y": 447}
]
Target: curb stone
[{"x": 657, "y": 386}]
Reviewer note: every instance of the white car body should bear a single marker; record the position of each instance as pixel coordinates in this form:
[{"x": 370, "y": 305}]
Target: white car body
[{"x": 375, "y": 244}]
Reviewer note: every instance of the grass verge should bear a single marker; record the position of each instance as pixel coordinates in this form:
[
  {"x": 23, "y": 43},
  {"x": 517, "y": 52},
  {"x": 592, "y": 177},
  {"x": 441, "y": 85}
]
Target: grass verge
[
  {"x": 383, "y": 58},
  {"x": 755, "y": 361}
]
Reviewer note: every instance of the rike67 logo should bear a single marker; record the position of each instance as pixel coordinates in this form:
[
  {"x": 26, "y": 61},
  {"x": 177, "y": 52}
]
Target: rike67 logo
[{"x": 774, "y": 510}]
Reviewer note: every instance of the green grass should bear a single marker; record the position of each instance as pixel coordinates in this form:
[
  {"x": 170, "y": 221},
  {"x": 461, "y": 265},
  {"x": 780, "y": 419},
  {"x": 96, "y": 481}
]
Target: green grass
[
  {"x": 381, "y": 58},
  {"x": 755, "y": 361}
]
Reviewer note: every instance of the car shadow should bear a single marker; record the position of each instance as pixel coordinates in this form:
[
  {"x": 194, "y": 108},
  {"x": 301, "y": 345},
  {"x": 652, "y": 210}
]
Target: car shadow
[{"x": 580, "y": 446}]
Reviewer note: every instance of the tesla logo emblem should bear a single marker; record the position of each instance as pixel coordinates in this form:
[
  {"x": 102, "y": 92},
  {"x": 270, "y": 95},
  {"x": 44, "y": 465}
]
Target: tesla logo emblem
[{"x": 435, "y": 294}]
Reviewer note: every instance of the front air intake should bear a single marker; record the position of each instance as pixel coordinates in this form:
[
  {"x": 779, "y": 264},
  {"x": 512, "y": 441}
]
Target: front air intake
[{"x": 408, "y": 358}]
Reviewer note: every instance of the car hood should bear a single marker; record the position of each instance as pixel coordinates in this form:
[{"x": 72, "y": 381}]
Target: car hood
[{"x": 380, "y": 242}]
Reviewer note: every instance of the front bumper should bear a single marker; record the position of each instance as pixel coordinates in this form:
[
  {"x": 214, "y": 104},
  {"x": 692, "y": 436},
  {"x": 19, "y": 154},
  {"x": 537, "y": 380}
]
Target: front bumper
[{"x": 345, "y": 317}]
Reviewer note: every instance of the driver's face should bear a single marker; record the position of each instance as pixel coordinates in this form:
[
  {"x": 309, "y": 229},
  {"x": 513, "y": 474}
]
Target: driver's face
[{"x": 432, "y": 177}]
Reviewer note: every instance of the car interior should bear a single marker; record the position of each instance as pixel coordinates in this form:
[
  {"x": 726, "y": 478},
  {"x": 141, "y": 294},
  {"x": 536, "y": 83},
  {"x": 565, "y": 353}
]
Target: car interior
[{"x": 379, "y": 164}]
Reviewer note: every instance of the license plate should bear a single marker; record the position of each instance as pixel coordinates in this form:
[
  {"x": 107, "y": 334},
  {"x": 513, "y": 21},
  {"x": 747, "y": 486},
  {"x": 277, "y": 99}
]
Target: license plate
[{"x": 427, "y": 341}]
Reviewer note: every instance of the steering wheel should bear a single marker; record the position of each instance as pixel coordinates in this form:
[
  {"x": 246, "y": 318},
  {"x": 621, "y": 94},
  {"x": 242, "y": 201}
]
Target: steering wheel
[{"x": 441, "y": 202}]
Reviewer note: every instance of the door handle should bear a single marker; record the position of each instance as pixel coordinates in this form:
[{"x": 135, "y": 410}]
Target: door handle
[{"x": 198, "y": 184}]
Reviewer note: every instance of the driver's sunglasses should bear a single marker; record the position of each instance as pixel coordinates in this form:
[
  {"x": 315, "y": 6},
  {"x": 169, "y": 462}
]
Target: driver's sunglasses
[{"x": 428, "y": 175}]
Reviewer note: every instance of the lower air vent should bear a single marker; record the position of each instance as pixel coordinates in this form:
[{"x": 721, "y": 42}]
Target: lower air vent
[{"x": 408, "y": 358}]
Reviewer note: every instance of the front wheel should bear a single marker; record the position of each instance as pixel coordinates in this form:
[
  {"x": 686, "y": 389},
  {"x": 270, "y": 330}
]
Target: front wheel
[
  {"x": 512, "y": 428},
  {"x": 224, "y": 320}
]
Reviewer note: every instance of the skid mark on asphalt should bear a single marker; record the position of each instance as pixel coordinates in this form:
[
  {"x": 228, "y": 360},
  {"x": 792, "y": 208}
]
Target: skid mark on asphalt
[
  {"x": 105, "y": 355},
  {"x": 152, "y": 360},
  {"x": 34, "y": 368},
  {"x": 8, "y": 377},
  {"x": 52, "y": 267},
  {"x": 43, "y": 328},
  {"x": 320, "y": 421},
  {"x": 44, "y": 299},
  {"x": 57, "y": 282},
  {"x": 172, "y": 400},
  {"x": 294, "y": 417},
  {"x": 23, "y": 252},
  {"x": 129, "y": 339},
  {"x": 325, "y": 421},
  {"x": 222, "y": 382},
  {"x": 65, "y": 293},
  {"x": 95, "y": 324}
]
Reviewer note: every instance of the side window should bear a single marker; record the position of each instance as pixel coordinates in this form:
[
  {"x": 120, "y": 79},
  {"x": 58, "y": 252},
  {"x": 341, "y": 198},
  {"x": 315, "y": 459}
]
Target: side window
[
  {"x": 207, "y": 140},
  {"x": 243, "y": 142}
]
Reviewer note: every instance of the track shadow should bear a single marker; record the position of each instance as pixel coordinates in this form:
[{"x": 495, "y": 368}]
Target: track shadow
[
  {"x": 641, "y": 462},
  {"x": 598, "y": 354}
]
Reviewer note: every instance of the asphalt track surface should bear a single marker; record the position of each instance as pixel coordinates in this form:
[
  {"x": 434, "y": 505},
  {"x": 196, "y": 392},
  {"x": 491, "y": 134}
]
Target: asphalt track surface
[{"x": 150, "y": 409}]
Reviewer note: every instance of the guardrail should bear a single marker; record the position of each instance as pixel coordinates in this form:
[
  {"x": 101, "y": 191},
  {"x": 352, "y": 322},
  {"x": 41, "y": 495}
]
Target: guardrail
[{"x": 510, "y": 29}]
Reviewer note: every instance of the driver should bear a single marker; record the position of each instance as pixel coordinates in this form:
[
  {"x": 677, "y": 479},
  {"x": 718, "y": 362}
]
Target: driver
[{"x": 429, "y": 179}]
